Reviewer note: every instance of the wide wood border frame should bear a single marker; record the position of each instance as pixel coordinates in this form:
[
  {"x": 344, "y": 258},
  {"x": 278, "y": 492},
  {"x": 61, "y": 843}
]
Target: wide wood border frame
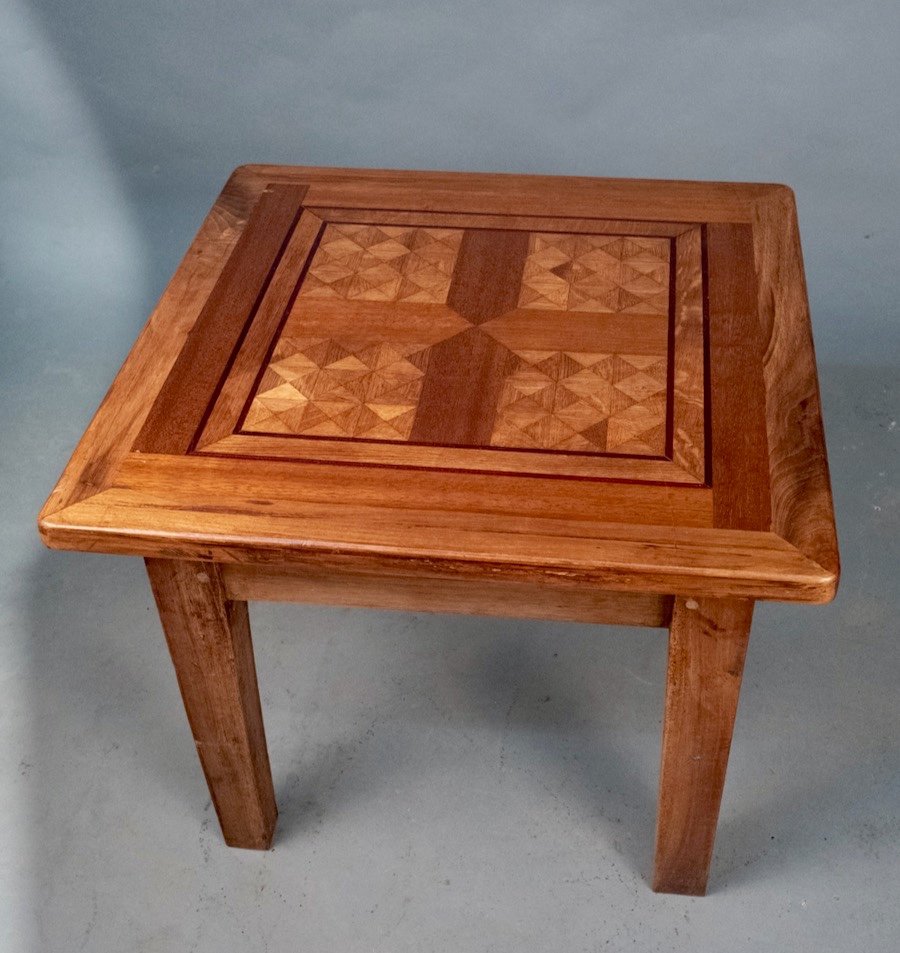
[
  {"x": 775, "y": 541},
  {"x": 221, "y": 432}
]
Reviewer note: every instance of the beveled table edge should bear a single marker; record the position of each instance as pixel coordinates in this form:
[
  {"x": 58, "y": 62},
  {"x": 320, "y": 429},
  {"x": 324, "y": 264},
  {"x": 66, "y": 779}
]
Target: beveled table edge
[{"x": 803, "y": 519}]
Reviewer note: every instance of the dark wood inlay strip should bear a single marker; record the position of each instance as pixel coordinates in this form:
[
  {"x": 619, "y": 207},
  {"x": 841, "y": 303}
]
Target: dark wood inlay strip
[
  {"x": 740, "y": 454},
  {"x": 488, "y": 273},
  {"x": 179, "y": 409},
  {"x": 461, "y": 390}
]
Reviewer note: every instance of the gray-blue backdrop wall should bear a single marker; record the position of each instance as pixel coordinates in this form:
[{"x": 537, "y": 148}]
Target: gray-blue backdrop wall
[{"x": 120, "y": 121}]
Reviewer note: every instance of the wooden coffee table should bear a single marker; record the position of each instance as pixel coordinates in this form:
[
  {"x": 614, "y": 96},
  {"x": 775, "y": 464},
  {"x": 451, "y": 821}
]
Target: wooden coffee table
[{"x": 559, "y": 398}]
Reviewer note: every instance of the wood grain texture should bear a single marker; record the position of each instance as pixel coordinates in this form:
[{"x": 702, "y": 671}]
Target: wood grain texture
[
  {"x": 740, "y": 460},
  {"x": 368, "y": 262},
  {"x": 412, "y": 591},
  {"x": 584, "y": 401},
  {"x": 542, "y": 330},
  {"x": 461, "y": 391},
  {"x": 623, "y": 274},
  {"x": 226, "y": 408},
  {"x": 802, "y": 505},
  {"x": 640, "y": 534},
  {"x": 367, "y": 350},
  {"x": 512, "y": 194},
  {"x": 438, "y": 501},
  {"x": 209, "y": 640},
  {"x": 284, "y": 511},
  {"x": 585, "y": 224},
  {"x": 349, "y": 372},
  {"x": 470, "y": 393},
  {"x": 688, "y": 358},
  {"x": 633, "y": 469},
  {"x": 488, "y": 274},
  {"x": 179, "y": 409},
  {"x": 707, "y": 647}
]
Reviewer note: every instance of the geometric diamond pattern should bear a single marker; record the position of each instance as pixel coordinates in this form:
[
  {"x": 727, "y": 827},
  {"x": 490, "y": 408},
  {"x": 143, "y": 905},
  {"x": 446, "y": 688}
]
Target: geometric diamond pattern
[
  {"x": 329, "y": 388},
  {"x": 601, "y": 273},
  {"x": 571, "y": 400},
  {"x": 547, "y": 381},
  {"x": 383, "y": 263}
]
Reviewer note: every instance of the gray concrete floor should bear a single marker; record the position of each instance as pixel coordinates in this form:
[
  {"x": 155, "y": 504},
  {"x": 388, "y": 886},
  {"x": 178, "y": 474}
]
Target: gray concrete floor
[{"x": 445, "y": 783}]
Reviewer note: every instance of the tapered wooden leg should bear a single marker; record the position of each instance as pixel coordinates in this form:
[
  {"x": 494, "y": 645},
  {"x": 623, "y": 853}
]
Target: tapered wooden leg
[
  {"x": 209, "y": 639},
  {"x": 707, "y": 645}
]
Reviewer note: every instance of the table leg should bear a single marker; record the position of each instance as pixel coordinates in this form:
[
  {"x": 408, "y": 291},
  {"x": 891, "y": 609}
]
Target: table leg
[
  {"x": 209, "y": 640},
  {"x": 707, "y": 645}
]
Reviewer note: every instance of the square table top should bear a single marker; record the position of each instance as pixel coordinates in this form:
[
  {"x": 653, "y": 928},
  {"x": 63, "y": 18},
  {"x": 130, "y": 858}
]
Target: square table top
[{"x": 611, "y": 380}]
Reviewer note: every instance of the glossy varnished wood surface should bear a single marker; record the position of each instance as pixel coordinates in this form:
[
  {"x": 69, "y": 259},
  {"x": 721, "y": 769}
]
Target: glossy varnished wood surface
[
  {"x": 517, "y": 341},
  {"x": 557, "y": 398},
  {"x": 802, "y": 505},
  {"x": 475, "y": 337},
  {"x": 707, "y": 646},
  {"x": 736, "y": 501},
  {"x": 183, "y": 398},
  {"x": 208, "y": 634},
  {"x": 738, "y": 409},
  {"x": 411, "y": 588}
]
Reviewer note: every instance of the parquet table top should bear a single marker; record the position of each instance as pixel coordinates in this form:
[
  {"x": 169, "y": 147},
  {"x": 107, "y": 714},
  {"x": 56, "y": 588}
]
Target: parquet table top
[{"x": 610, "y": 379}]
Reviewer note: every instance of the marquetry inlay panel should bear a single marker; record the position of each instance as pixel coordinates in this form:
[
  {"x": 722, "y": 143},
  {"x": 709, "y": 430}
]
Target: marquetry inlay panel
[
  {"x": 577, "y": 400},
  {"x": 383, "y": 263},
  {"x": 601, "y": 273},
  {"x": 573, "y": 359}
]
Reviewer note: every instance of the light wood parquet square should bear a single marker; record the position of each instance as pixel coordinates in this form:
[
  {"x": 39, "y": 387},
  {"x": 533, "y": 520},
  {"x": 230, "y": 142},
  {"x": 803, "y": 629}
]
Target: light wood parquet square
[{"x": 566, "y": 366}]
